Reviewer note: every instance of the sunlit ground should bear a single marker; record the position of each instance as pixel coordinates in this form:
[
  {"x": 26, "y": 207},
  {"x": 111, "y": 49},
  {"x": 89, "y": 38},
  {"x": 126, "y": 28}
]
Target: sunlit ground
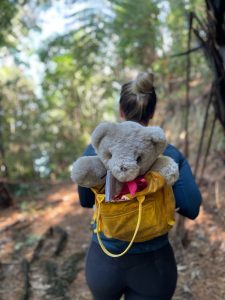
[{"x": 201, "y": 273}]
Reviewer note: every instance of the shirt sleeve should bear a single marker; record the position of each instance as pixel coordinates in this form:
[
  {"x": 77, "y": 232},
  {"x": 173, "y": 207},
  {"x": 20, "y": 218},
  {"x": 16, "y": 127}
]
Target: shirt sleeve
[
  {"x": 86, "y": 196},
  {"x": 186, "y": 192}
]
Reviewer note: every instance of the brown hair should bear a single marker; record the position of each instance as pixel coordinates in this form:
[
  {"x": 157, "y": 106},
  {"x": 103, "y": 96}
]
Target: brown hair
[{"x": 138, "y": 98}]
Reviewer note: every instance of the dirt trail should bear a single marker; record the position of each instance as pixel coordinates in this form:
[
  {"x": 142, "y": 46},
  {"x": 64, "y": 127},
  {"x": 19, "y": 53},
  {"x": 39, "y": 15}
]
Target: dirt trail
[{"x": 56, "y": 271}]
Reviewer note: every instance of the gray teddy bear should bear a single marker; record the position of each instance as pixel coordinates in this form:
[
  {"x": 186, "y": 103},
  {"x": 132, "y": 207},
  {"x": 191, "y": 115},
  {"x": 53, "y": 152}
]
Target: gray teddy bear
[{"x": 128, "y": 150}]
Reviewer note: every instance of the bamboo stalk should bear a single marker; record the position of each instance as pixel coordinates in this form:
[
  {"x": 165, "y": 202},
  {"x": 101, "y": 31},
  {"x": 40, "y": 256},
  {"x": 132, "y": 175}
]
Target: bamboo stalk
[
  {"x": 203, "y": 130},
  {"x": 208, "y": 148},
  {"x": 187, "y": 100}
]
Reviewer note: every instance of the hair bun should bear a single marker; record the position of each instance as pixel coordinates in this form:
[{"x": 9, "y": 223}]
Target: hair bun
[{"x": 144, "y": 83}]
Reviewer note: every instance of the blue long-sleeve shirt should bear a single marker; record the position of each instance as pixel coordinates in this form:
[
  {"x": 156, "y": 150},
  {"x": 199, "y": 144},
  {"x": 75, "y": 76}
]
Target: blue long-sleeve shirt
[{"x": 186, "y": 192}]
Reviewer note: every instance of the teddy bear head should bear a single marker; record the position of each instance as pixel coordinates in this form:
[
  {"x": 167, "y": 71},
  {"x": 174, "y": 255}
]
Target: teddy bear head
[{"x": 128, "y": 149}]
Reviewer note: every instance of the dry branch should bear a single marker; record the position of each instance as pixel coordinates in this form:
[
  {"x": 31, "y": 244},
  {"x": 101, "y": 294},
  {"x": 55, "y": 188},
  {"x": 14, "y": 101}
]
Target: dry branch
[{"x": 26, "y": 268}]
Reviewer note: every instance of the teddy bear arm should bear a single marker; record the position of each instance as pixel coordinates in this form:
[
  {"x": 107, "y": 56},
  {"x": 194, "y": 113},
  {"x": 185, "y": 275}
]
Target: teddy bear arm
[
  {"x": 88, "y": 171},
  {"x": 168, "y": 168}
]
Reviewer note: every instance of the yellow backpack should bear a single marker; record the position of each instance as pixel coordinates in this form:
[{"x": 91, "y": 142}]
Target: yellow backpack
[{"x": 146, "y": 215}]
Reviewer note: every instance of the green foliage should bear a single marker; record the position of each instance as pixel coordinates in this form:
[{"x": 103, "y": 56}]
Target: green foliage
[
  {"x": 7, "y": 12},
  {"x": 74, "y": 102},
  {"x": 20, "y": 113},
  {"x": 136, "y": 25}
]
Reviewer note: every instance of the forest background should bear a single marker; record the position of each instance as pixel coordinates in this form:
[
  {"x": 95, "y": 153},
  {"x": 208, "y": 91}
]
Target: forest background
[{"x": 62, "y": 64}]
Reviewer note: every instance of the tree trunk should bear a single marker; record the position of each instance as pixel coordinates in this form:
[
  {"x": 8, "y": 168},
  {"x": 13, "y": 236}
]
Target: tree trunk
[{"x": 3, "y": 166}]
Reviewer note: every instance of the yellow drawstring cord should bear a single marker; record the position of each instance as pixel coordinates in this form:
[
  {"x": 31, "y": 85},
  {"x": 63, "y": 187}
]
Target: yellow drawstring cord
[{"x": 140, "y": 200}]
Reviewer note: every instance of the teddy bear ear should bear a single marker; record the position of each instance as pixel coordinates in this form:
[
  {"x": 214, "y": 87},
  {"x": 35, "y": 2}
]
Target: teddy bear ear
[
  {"x": 157, "y": 136},
  {"x": 100, "y": 132}
]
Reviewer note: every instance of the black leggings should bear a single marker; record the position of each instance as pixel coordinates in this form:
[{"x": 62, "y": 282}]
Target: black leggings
[{"x": 145, "y": 276}]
